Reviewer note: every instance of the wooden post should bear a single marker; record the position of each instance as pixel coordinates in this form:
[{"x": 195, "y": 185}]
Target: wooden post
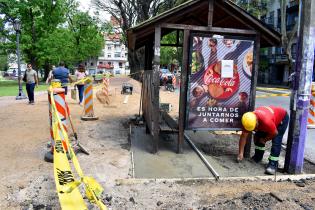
[
  {"x": 253, "y": 89},
  {"x": 183, "y": 93},
  {"x": 148, "y": 56},
  {"x": 301, "y": 89},
  {"x": 156, "y": 86},
  {"x": 210, "y": 12}
]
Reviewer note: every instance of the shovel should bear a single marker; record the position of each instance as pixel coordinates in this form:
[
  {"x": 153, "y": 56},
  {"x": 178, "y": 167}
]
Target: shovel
[{"x": 76, "y": 136}]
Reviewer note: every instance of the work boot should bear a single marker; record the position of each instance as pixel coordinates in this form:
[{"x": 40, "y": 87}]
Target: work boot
[
  {"x": 258, "y": 156},
  {"x": 271, "y": 167}
]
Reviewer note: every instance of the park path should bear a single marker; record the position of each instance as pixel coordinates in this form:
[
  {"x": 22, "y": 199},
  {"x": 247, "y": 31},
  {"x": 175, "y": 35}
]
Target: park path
[{"x": 26, "y": 181}]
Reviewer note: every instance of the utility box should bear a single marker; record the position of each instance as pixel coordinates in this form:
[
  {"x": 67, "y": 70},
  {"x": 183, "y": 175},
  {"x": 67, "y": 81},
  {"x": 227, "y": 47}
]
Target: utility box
[
  {"x": 167, "y": 107},
  {"x": 127, "y": 88}
]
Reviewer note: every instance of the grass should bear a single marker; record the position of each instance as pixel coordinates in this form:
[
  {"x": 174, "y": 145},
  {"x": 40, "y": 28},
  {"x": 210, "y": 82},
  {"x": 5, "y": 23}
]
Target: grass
[{"x": 11, "y": 88}]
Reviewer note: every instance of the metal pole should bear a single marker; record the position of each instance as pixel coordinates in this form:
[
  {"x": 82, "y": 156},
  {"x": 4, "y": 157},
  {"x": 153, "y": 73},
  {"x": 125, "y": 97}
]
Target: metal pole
[
  {"x": 204, "y": 160},
  {"x": 20, "y": 94},
  {"x": 301, "y": 89}
]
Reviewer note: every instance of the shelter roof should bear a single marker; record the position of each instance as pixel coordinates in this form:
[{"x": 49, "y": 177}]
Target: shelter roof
[{"x": 195, "y": 13}]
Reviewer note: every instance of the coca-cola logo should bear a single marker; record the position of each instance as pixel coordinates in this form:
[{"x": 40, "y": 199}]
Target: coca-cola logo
[
  {"x": 220, "y": 81},
  {"x": 221, "y": 88}
]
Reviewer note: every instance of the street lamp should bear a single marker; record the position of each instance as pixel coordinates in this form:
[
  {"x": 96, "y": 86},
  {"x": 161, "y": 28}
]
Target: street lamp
[{"x": 17, "y": 28}]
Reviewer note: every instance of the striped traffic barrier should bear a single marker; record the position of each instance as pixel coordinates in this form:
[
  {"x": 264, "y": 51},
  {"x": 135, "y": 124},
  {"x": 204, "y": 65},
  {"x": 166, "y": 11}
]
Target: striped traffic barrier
[
  {"x": 311, "y": 115},
  {"x": 67, "y": 185},
  {"x": 106, "y": 90},
  {"x": 88, "y": 112},
  {"x": 174, "y": 81},
  {"x": 61, "y": 107},
  {"x": 106, "y": 86}
]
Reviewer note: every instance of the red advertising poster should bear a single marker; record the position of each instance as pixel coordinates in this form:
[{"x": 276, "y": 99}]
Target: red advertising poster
[{"x": 219, "y": 82}]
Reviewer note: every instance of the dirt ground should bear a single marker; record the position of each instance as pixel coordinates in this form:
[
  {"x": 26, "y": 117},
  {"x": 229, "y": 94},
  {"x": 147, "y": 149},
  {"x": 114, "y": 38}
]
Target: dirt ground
[{"x": 27, "y": 182}]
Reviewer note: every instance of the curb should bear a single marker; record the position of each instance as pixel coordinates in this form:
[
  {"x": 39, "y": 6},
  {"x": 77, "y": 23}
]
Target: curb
[
  {"x": 273, "y": 91},
  {"x": 273, "y": 95}
]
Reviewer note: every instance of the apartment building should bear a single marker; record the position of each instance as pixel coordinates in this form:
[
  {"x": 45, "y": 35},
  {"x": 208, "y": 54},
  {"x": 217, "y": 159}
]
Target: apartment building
[
  {"x": 278, "y": 71},
  {"x": 114, "y": 54}
]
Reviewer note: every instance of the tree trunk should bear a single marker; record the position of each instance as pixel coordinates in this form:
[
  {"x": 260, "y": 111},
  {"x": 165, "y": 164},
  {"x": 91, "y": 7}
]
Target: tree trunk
[{"x": 46, "y": 70}]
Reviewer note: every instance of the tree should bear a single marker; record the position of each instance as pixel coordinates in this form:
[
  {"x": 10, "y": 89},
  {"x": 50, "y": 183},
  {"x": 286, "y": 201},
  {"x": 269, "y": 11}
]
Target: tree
[
  {"x": 88, "y": 39},
  {"x": 287, "y": 41},
  {"x": 52, "y": 30},
  {"x": 257, "y": 8},
  {"x": 130, "y": 12},
  {"x": 169, "y": 55}
]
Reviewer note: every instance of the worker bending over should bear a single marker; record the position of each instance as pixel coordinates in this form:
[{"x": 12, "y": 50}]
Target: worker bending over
[{"x": 267, "y": 123}]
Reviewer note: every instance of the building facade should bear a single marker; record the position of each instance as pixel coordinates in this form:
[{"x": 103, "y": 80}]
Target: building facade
[
  {"x": 114, "y": 55},
  {"x": 278, "y": 70}
]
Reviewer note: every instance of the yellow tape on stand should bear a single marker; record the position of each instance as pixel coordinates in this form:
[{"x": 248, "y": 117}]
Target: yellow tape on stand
[{"x": 67, "y": 187}]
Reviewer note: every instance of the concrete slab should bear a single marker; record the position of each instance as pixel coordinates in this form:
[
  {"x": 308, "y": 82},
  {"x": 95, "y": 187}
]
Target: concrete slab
[
  {"x": 166, "y": 163},
  {"x": 220, "y": 151}
]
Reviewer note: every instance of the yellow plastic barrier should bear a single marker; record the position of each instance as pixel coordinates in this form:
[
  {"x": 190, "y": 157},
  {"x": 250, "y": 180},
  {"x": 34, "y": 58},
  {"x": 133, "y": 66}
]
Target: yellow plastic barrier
[{"x": 67, "y": 186}]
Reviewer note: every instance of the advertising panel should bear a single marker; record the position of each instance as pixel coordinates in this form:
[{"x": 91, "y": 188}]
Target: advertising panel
[{"x": 219, "y": 86}]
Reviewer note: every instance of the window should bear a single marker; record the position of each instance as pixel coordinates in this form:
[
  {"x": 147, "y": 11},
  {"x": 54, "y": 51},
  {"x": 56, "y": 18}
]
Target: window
[
  {"x": 271, "y": 19},
  {"x": 109, "y": 47},
  {"x": 117, "y": 55},
  {"x": 293, "y": 50},
  {"x": 120, "y": 64},
  {"x": 101, "y": 62},
  {"x": 110, "y": 63},
  {"x": 109, "y": 55},
  {"x": 92, "y": 63}
]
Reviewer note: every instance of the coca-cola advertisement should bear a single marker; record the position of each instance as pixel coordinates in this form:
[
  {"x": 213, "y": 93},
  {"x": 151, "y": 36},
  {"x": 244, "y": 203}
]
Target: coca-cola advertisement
[{"x": 220, "y": 77}]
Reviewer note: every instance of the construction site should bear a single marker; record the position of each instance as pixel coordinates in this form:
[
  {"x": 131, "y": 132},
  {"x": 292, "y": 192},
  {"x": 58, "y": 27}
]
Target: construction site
[
  {"x": 121, "y": 160},
  {"x": 203, "y": 136}
]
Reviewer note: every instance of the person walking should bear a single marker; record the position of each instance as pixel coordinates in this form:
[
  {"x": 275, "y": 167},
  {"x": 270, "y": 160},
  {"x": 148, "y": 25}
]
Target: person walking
[
  {"x": 80, "y": 74},
  {"x": 268, "y": 123},
  {"x": 31, "y": 82},
  {"x": 50, "y": 76},
  {"x": 62, "y": 73}
]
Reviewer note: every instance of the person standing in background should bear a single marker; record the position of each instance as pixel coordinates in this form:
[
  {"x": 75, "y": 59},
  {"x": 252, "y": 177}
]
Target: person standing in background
[
  {"x": 31, "y": 82},
  {"x": 80, "y": 74},
  {"x": 49, "y": 78},
  {"x": 62, "y": 73}
]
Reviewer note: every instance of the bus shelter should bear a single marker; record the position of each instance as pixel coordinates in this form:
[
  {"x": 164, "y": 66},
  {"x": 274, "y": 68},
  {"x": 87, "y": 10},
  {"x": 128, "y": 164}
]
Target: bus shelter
[{"x": 221, "y": 46}]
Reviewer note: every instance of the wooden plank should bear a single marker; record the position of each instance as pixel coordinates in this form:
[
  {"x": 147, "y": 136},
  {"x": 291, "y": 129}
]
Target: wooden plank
[
  {"x": 169, "y": 120},
  {"x": 252, "y": 98},
  {"x": 156, "y": 84},
  {"x": 217, "y": 30},
  {"x": 183, "y": 92},
  {"x": 210, "y": 13}
]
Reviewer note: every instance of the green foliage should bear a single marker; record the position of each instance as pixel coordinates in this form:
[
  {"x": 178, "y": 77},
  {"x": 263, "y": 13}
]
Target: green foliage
[
  {"x": 257, "y": 8},
  {"x": 88, "y": 39},
  {"x": 52, "y": 30},
  {"x": 11, "y": 88},
  {"x": 3, "y": 62},
  {"x": 171, "y": 55}
]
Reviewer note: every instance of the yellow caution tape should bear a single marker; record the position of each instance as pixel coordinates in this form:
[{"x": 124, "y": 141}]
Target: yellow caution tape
[
  {"x": 82, "y": 81},
  {"x": 67, "y": 187}
]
